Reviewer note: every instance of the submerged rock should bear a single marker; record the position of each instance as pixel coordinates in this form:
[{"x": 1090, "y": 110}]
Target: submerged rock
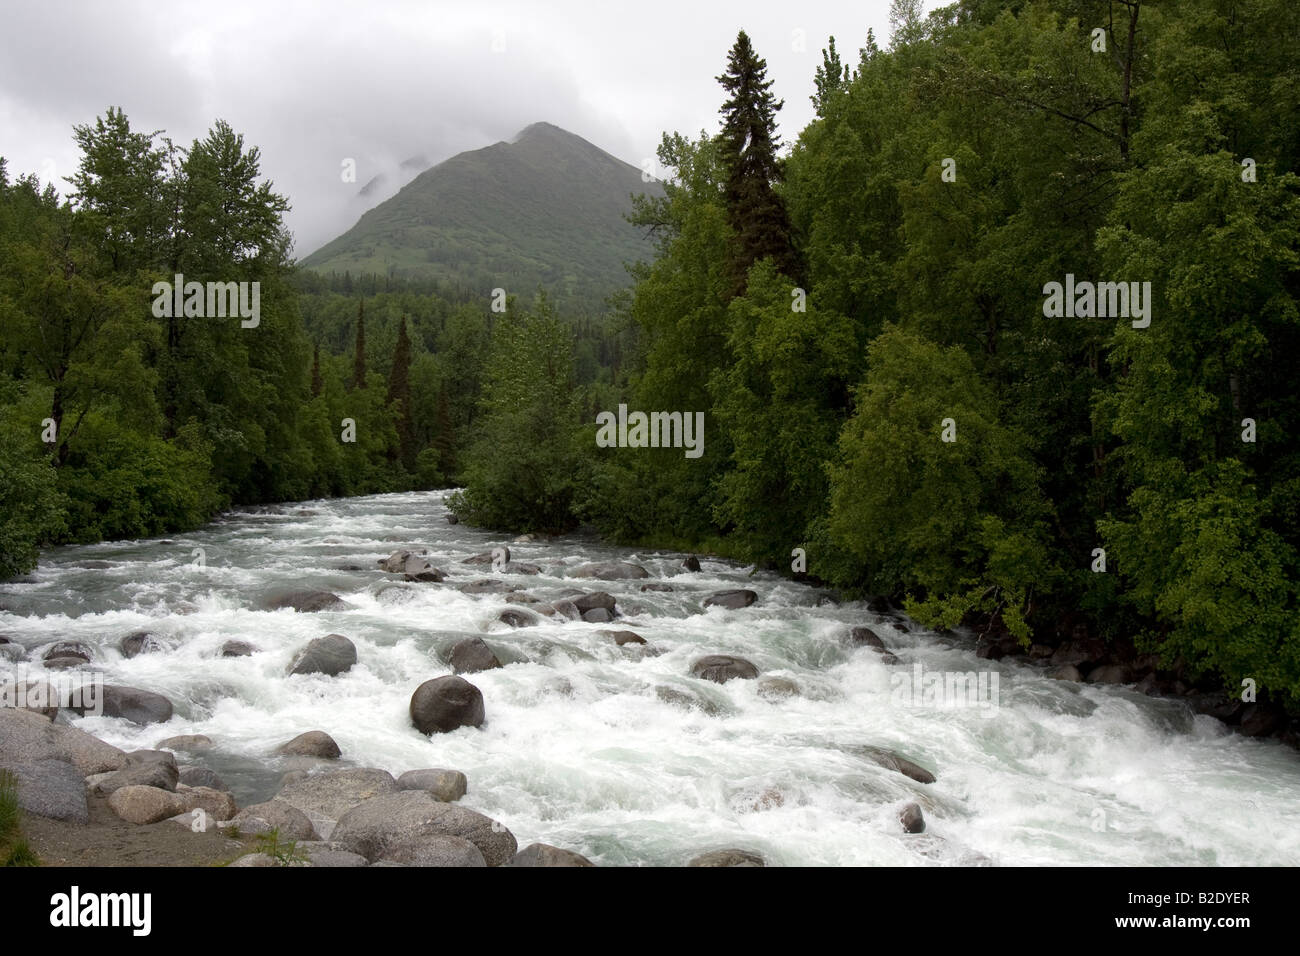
[
  {"x": 622, "y": 638},
  {"x": 472, "y": 655},
  {"x": 136, "y": 705},
  {"x": 331, "y": 655},
  {"x": 690, "y": 563},
  {"x": 141, "y": 642},
  {"x": 912, "y": 819},
  {"x": 733, "y": 600},
  {"x": 308, "y": 602},
  {"x": 237, "y": 649},
  {"x": 898, "y": 763},
  {"x": 721, "y": 668},
  {"x": 611, "y": 571}
]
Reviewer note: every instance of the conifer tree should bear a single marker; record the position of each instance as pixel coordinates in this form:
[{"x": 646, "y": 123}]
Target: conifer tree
[
  {"x": 315, "y": 373},
  {"x": 399, "y": 393},
  {"x": 359, "y": 354}
]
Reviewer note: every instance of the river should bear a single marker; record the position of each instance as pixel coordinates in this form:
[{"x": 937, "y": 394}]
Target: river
[{"x": 580, "y": 750}]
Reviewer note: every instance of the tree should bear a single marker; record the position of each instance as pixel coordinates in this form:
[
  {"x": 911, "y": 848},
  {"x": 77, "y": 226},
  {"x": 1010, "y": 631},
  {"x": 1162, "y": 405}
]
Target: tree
[
  {"x": 359, "y": 349},
  {"x": 315, "y": 372},
  {"x": 749, "y": 141},
  {"x": 399, "y": 395}
]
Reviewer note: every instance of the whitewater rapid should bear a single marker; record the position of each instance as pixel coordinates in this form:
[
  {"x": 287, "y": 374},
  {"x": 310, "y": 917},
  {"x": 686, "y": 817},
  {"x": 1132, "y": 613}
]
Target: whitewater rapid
[{"x": 579, "y": 749}]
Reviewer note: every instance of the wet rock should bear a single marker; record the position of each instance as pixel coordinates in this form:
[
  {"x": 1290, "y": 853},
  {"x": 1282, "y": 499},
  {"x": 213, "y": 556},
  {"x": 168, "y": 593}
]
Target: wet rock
[
  {"x": 596, "y": 600},
  {"x": 777, "y": 688},
  {"x": 898, "y": 763},
  {"x": 622, "y": 638},
  {"x": 418, "y": 569},
  {"x": 308, "y": 602},
  {"x": 721, "y": 668},
  {"x": 866, "y": 637},
  {"x": 445, "y": 785},
  {"x": 486, "y": 586},
  {"x": 163, "y": 776},
  {"x": 396, "y": 562},
  {"x": 142, "y": 805},
  {"x": 501, "y": 555},
  {"x": 522, "y": 597},
  {"x": 50, "y": 788},
  {"x": 567, "y": 609},
  {"x": 471, "y": 656},
  {"x": 190, "y": 743},
  {"x": 136, "y": 705},
  {"x": 394, "y": 826},
  {"x": 68, "y": 650},
  {"x": 682, "y": 698},
  {"x": 290, "y": 822},
  {"x": 690, "y": 563},
  {"x": 520, "y": 567},
  {"x": 314, "y": 743},
  {"x": 610, "y": 571},
  {"x": 543, "y": 854},
  {"x": 732, "y": 600},
  {"x": 656, "y": 587},
  {"x": 1111, "y": 674},
  {"x": 1080, "y": 653},
  {"x": 237, "y": 649},
  {"x": 1219, "y": 706},
  {"x": 728, "y": 857},
  {"x": 141, "y": 642},
  {"x": 518, "y": 618},
  {"x": 452, "y": 519},
  {"x": 1065, "y": 672},
  {"x": 912, "y": 819},
  {"x": 1038, "y": 652},
  {"x": 597, "y": 615},
  {"x": 1261, "y": 720},
  {"x": 12, "y": 653},
  {"x": 330, "y": 655},
  {"x": 201, "y": 777},
  {"x": 445, "y": 704}
]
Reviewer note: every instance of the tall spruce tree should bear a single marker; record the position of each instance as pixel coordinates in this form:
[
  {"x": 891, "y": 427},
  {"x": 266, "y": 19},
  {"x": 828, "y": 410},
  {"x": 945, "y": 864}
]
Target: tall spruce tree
[
  {"x": 749, "y": 141},
  {"x": 316, "y": 384},
  {"x": 359, "y": 353},
  {"x": 399, "y": 393}
]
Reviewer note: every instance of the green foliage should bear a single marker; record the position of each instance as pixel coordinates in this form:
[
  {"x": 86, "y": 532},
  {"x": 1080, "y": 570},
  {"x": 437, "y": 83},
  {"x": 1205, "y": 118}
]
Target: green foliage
[
  {"x": 284, "y": 853},
  {"x": 14, "y": 850}
]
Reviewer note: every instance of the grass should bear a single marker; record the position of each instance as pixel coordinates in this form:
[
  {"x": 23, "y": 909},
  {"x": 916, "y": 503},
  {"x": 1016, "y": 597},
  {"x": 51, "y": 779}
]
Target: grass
[{"x": 14, "y": 850}]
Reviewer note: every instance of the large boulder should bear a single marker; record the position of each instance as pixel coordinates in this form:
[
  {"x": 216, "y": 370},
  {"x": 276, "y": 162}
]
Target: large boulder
[
  {"x": 50, "y": 788},
  {"x": 690, "y": 563},
  {"x": 543, "y": 854},
  {"x": 141, "y": 805},
  {"x": 598, "y": 615},
  {"x": 517, "y": 617},
  {"x": 1111, "y": 674},
  {"x": 237, "y": 649},
  {"x": 471, "y": 656},
  {"x": 611, "y": 571},
  {"x": 321, "y": 853},
  {"x": 330, "y": 655},
  {"x": 418, "y": 569},
  {"x": 68, "y": 650},
  {"x": 27, "y": 737},
  {"x": 445, "y": 704},
  {"x": 728, "y": 857},
  {"x": 777, "y": 688},
  {"x": 866, "y": 637},
  {"x": 593, "y": 601},
  {"x": 141, "y": 642},
  {"x": 136, "y": 705},
  {"x": 290, "y": 822},
  {"x": 445, "y": 785},
  {"x": 201, "y": 777},
  {"x": 155, "y": 773},
  {"x": 216, "y": 804},
  {"x": 396, "y": 562},
  {"x": 622, "y": 638},
  {"x": 325, "y": 797},
  {"x": 721, "y": 668},
  {"x": 387, "y": 824},
  {"x": 433, "y": 849},
  {"x": 499, "y": 555},
  {"x": 190, "y": 743},
  {"x": 912, "y": 819},
  {"x": 733, "y": 600},
  {"x": 314, "y": 743},
  {"x": 308, "y": 602}
]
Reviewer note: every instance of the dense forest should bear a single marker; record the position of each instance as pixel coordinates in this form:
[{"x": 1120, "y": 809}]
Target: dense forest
[{"x": 893, "y": 403}]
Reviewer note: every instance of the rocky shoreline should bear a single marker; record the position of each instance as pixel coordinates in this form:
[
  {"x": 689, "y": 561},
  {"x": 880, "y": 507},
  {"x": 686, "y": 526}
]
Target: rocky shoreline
[{"x": 72, "y": 783}]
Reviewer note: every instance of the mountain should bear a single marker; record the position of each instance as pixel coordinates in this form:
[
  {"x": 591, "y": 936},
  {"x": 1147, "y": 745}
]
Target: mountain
[{"x": 545, "y": 209}]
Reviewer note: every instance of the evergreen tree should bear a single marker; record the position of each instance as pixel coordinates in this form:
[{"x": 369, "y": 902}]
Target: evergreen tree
[
  {"x": 399, "y": 394},
  {"x": 315, "y": 373},
  {"x": 359, "y": 351},
  {"x": 755, "y": 211}
]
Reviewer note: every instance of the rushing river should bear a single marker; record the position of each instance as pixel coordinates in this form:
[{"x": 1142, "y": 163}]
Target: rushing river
[{"x": 581, "y": 751}]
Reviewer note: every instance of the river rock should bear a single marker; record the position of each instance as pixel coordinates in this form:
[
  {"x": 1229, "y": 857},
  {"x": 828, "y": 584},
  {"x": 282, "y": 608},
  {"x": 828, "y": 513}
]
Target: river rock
[
  {"x": 866, "y": 637},
  {"x": 433, "y": 849},
  {"x": 445, "y": 704},
  {"x": 622, "y": 638},
  {"x": 12, "y": 653},
  {"x": 331, "y": 655},
  {"x": 201, "y": 777},
  {"x": 912, "y": 819},
  {"x": 597, "y": 615},
  {"x": 389, "y": 827},
  {"x": 151, "y": 756},
  {"x": 1111, "y": 674},
  {"x": 657, "y": 586},
  {"x": 255, "y": 859},
  {"x": 721, "y": 668},
  {"x": 218, "y": 805},
  {"x": 516, "y": 617},
  {"x": 418, "y": 569},
  {"x": 729, "y": 857},
  {"x": 486, "y": 586},
  {"x": 1065, "y": 672},
  {"x": 141, "y": 642},
  {"x": 1261, "y": 720},
  {"x": 777, "y": 688},
  {"x": 141, "y": 805},
  {"x": 452, "y": 519},
  {"x": 68, "y": 650},
  {"x": 325, "y": 797},
  {"x": 314, "y": 743},
  {"x": 50, "y": 788},
  {"x": 445, "y": 785},
  {"x": 27, "y": 737},
  {"x": 308, "y": 602},
  {"x": 732, "y": 600},
  {"x": 543, "y": 854},
  {"x": 395, "y": 563},
  {"x": 291, "y": 822},
  {"x": 487, "y": 557},
  {"x": 567, "y": 609},
  {"x": 683, "y": 698},
  {"x": 690, "y": 563},
  {"x": 156, "y": 773},
  {"x": 330, "y": 854},
  {"x": 593, "y": 601},
  {"x": 138, "y": 706},
  {"x": 190, "y": 743},
  {"x": 611, "y": 571},
  {"x": 472, "y": 655},
  {"x": 237, "y": 649},
  {"x": 898, "y": 763}
]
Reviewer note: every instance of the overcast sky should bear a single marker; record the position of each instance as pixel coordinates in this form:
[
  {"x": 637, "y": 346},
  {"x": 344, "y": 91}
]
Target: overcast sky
[{"x": 315, "y": 83}]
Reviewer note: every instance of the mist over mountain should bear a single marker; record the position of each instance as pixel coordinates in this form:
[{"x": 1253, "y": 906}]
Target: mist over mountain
[{"x": 546, "y": 209}]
